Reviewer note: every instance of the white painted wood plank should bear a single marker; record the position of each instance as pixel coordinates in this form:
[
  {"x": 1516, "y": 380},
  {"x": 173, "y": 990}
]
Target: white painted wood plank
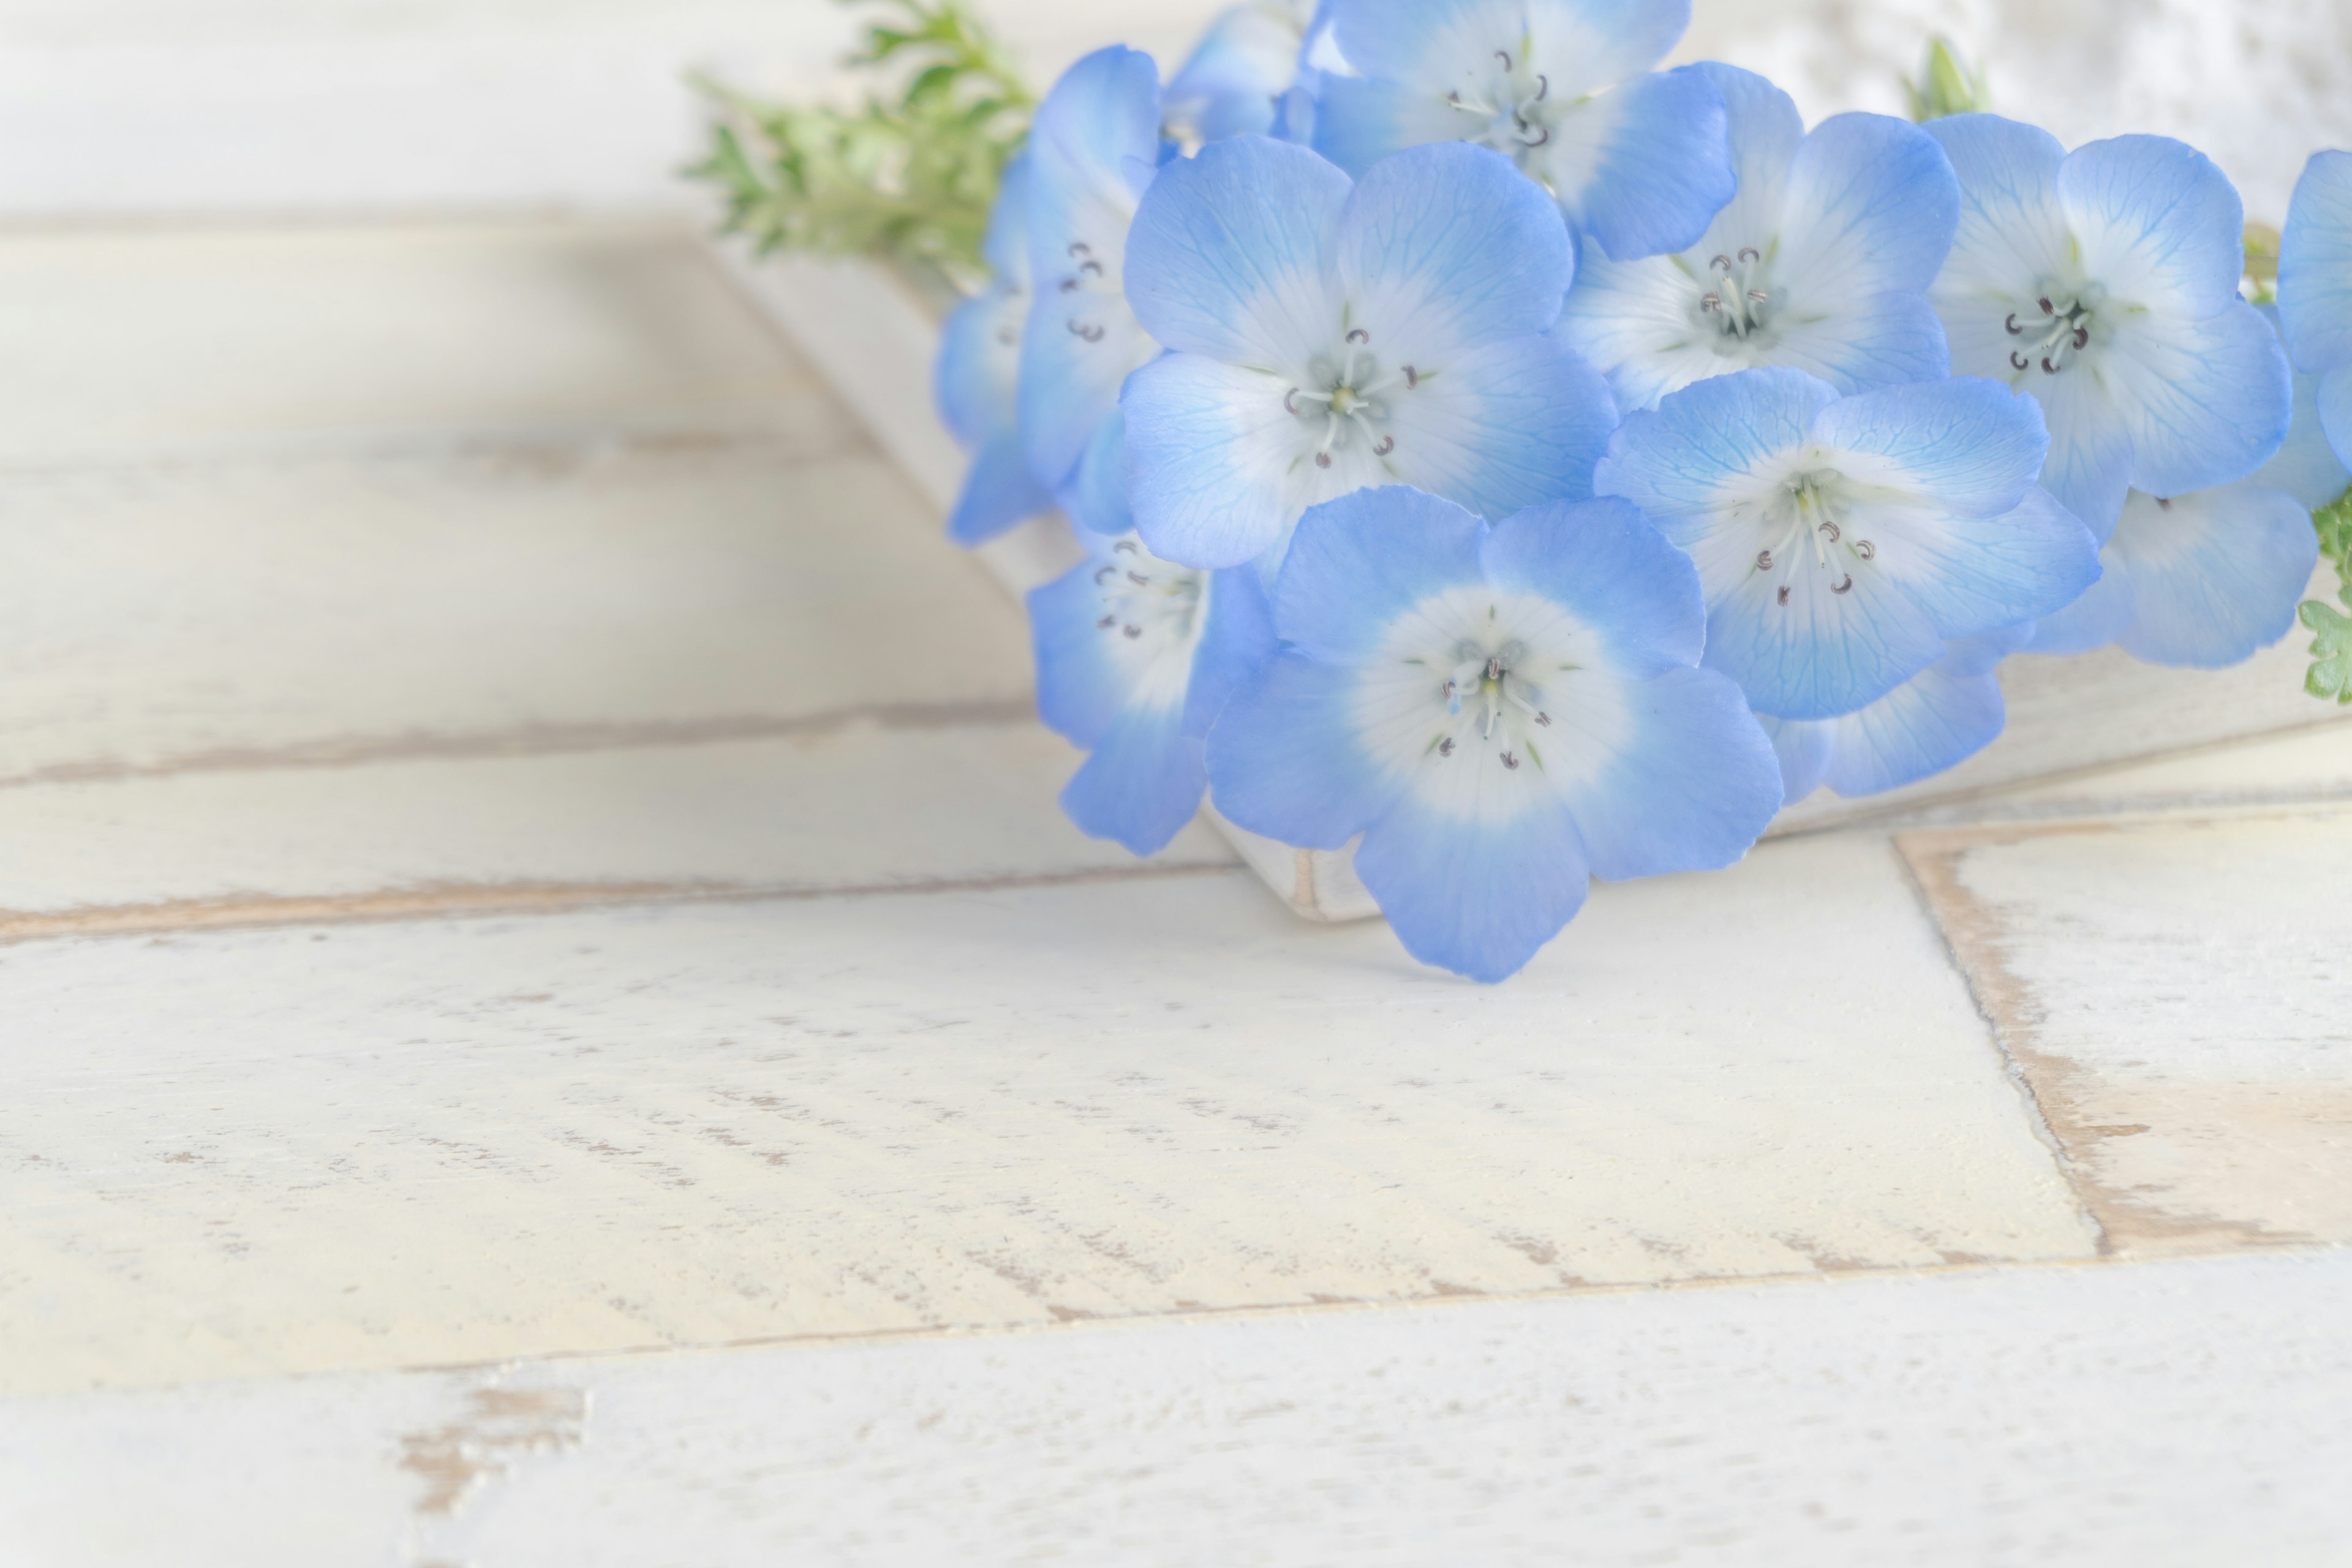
[
  {"x": 386, "y": 1145},
  {"x": 2173, "y": 993},
  {"x": 860, "y": 805},
  {"x": 520, "y": 598},
  {"x": 2157, "y": 1413},
  {"x": 127, "y": 344}
]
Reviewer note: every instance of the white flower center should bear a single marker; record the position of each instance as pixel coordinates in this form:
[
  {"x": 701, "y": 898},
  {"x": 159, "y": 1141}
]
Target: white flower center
[
  {"x": 1153, "y": 610},
  {"x": 1084, "y": 288},
  {"x": 1514, "y": 107},
  {"x": 2054, "y": 329},
  {"x": 1806, "y": 522},
  {"x": 1735, "y": 294},
  {"x": 1346, "y": 392}
]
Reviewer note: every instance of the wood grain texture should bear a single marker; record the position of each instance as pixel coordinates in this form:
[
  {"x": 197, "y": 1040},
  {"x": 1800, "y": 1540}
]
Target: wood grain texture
[
  {"x": 386, "y": 1145},
  {"x": 2162, "y": 1414},
  {"x": 2172, "y": 992}
]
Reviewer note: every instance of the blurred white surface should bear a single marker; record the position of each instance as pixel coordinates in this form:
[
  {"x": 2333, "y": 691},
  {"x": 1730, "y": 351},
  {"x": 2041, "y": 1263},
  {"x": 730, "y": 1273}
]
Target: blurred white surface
[{"x": 142, "y": 107}]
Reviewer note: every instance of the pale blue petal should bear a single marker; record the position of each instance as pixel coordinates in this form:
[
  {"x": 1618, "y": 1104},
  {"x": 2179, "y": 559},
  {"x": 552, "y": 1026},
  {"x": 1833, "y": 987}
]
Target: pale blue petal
[
  {"x": 1284, "y": 761},
  {"x": 1426, "y": 42},
  {"x": 2090, "y": 463},
  {"x": 1972, "y": 445},
  {"x": 1970, "y": 575},
  {"x": 1942, "y": 716},
  {"x": 2094, "y": 620},
  {"x": 1477, "y": 898},
  {"x": 1597, "y": 42},
  {"x": 1881, "y": 340},
  {"x": 1069, "y": 384},
  {"x": 1360, "y": 563},
  {"x": 1674, "y": 462},
  {"x": 1236, "y": 644},
  {"x": 1226, "y": 253},
  {"x": 1358, "y": 121},
  {"x": 1871, "y": 207},
  {"x": 998, "y": 492},
  {"x": 1096, "y": 122},
  {"x": 1662, "y": 168},
  {"x": 1142, "y": 784},
  {"x": 1820, "y": 654},
  {"x": 1237, "y": 70},
  {"x": 1079, "y": 689},
  {"x": 972, "y": 379},
  {"x": 2307, "y": 466},
  {"x": 2335, "y": 410},
  {"x": 2314, "y": 274},
  {"x": 1764, "y": 129},
  {"x": 1694, "y": 783},
  {"x": 2204, "y": 402},
  {"x": 1448, "y": 248},
  {"x": 1507, "y": 426},
  {"x": 1096, "y": 498},
  {"x": 1006, "y": 246},
  {"x": 2157, "y": 223},
  {"x": 1605, "y": 561},
  {"x": 1209, "y": 469},
  {"x": 2013, "y": 232},
  {"x": 1802, "y": 747},
  {"x": 2215, "y": 575}
]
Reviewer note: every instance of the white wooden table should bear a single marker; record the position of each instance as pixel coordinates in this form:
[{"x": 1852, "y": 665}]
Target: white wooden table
[{"x": 550, "y": 1017}]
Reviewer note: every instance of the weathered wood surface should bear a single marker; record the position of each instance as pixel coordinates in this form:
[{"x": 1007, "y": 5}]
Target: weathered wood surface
[{"x": 2164, "y": 1414}]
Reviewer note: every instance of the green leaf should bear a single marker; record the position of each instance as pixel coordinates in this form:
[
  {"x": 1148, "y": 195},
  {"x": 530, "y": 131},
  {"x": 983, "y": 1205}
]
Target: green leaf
[
  {"x": 1946, "y": 85},
  {"x": 2331, "y": 652}
]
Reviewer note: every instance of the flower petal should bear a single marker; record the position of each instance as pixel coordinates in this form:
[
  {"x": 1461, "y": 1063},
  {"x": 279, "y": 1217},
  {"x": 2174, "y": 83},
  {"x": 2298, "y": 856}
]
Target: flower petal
[
  {"x": 1428, "y": 43},
  {"x": 1972, "y": 445},
  {"x": 2314, "y": 272},
  {"x": 1606, "y": 565},
  {"x": 1240, "y": 67},
  {"x": 1447, "y": 247},
  {"x": 1763, "y": 129},
  {"x": 2090, "y": 463},
  {"x": 1358, "y": 121},
  {"x": 2157, "y": 223},
  {"x": 1143, "y": 782},
  {"x": 973, "y": 377},
  {"x": 1080, "y": 686},
  {"x": 2204, "y": 402},
  {"x": 1802, "y": 747},
  {"x": 2011, "y": 230},
  {"x": 1708, "y": 443},
  {"x": 1226, "y": 255},
  {"x": 1096, "y": 496},
  {"x": 1214, "y": 473},
  {"x": 1504, "y": 427},
  {"x": 998, "y": 492},
  {"x": 1236, "y": 644},
  {"x": 1591, "y": 44},
  {"x": 1821, "y": 653},
  {"x": 1476, "y": 896},
  {"x": 2305, "y": 466},
  {"x": 2335, "y": 410},
  {"x": 1942, "y": 716},
  {"x": 1692, "y": 783},
  {"x": 1877, "y": 340},
  {"x": 1285, "y": 759},
  {"x": 1645, "y": 168},
  {"x": 1870, "y": 208},
  {"x": 1970, "y": 575},
  {"x": 1361, "y": 562},
  {"x": 2215, "y": 575},
  {"x": 2093, "y": 620}
]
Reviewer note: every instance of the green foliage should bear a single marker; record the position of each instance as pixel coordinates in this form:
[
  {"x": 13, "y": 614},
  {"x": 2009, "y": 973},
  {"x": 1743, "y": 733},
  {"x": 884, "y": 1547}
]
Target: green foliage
[
  {"x": 1946, "y": 85},
  {"x": 907, "y": 175},
  {"x": 2262, "y": 243},
  {"x": 2331, "y": 643}
]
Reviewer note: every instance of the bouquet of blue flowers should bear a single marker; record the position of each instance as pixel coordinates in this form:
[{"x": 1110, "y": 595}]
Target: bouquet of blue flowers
[{"x": 1514, "y": 464}]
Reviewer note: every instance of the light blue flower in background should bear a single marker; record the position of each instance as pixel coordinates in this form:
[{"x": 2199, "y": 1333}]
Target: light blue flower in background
[
  {"x": 2314, "y": 287},
  {"x": 1842, "y": 542},
  {"x": 1331, "y": 335},
  {"x": 1136, "y": 657},
  {"x": 1821, "y": 261},
  {"x": 1238, "y": 71},
  {"x": 1093, "y": 148},
  {"x": 976, "y": 371},
  {"x": 2206, "y": 578},
  {"x": 2105, "y": 282},
  {"x": 1501, "y": 713},
  {"x": 1942, "y": 716},
  {"x": 1563, "y": 88}
]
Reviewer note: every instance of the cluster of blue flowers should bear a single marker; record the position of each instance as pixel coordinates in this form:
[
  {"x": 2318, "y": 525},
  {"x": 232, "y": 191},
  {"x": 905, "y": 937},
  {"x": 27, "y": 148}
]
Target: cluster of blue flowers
[{"x": 1526, "y": 465}]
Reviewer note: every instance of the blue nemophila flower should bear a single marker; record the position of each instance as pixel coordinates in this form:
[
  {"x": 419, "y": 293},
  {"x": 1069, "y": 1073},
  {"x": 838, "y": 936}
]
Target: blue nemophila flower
[
  {"x": 2314, "y": 287},
  {"x": 1561, "y": 86},
  {"x": 2105, "y": 282},
  {"x": 1821, "y": 261},
  {"x": 1331, "y": 335},
  {"x": 1238, "y": 71},
  {"x": 1942, "y": 716},
  {"x": 2206, "y": 578},
  {"x": 1843, "y": 541},
  {"x": 1093, "y": 148},
  {"x": 1135, "y": 657},
  {"x": 1501, "y": 713},
  {"x": 978, "y": 369}
]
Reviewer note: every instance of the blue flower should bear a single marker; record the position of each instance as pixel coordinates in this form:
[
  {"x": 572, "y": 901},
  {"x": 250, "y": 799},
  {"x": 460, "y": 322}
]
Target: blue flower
[
  {"x": 1820, "y": 262},
  {"x": 2105, "y": 282},
  {"x": 2206, "y": 578},
  {"x": 1843, "y": 540},
  {"x": 1093, "y": 150},
  {"x": 1942, "y": 716},
  {"x": 2314, "y": 287},
  {"x": 978, "y": 368},
  {"x": 1135, "y": 659},
  {"x": 1332, "y": 335},
  {"x": 1501, "y": 713},
  {"x": 1636, "y": 161},
  {"x": 1238, "y": 73}
]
